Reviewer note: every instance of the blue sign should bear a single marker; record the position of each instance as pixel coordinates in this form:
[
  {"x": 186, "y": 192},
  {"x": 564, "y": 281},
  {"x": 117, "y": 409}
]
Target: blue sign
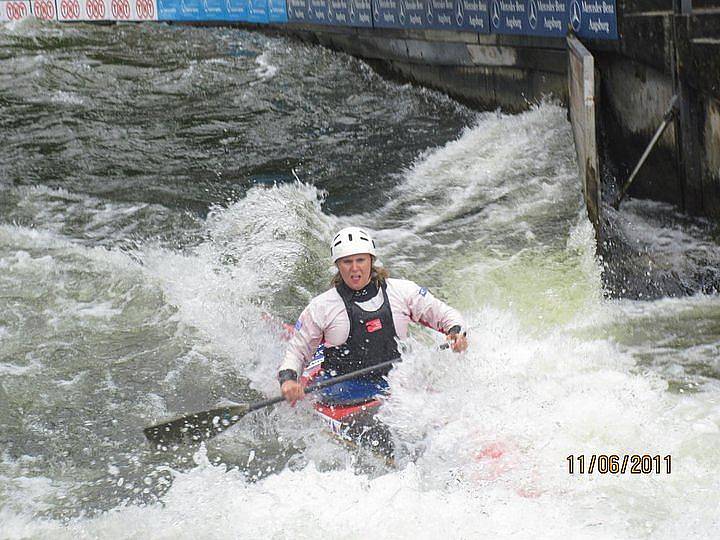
[
  {"x": 399, "y": 13},
  {"x": 215, "y": 10},
  {"x": 338, "y": 12},
  {"x": 476, "y": 16},
  {"x": 297, "y": 11},
  {"x": 386, "y": 14},
  {"x": 257, "y": 11},
  {"x": 412, "y": 13},
  {"x": 509, "y": 17},
  {"x": 277, "y": 11},
  {"x": 212, "y": 10},
  {"x": 439, "y": 14},
  {"x": 180, "y": 10},
  {"x": 547, "y": 17},
  {"x": 237, "y": 10},
  {"x": 594, "y": 19},
  {"x": 471, "y": 15},
  {"x": 318, "y": 11},
  {"x": 360, "y": 13}
]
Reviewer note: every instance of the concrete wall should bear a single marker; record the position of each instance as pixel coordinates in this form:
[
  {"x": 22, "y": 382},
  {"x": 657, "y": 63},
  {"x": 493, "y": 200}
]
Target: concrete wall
[
  {"x": 484, "y": 71},
  {"x": 582, "y": 105}
]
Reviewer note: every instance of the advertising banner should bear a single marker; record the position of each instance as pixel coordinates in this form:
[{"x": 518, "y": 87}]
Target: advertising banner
[
  {"x": 318, "y": 11},
  {"x": 277, "y": 11},
  {"x": 593, "y": 19},
  {"x": 84, "y": 10},
  {"x": 339, "y": 12},
  {"x": 214, "y": 10},
  {"x": 335, "y": 12},
  {"x": 360, "y": 13},
  {"x": 297, "y": 11},
  {"x": 469, "y": 15},
  {"x": 181, "y": 10},
  {"x": 237, "y": 10},
  {"x": 509, "y": 17},
  {"x": 15, "y": 10},
  {"x": 258, "y": 11}
]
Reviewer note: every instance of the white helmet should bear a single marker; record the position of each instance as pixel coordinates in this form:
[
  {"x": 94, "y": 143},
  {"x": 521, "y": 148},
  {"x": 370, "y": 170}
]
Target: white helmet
[{"x": 351, "y": 241}]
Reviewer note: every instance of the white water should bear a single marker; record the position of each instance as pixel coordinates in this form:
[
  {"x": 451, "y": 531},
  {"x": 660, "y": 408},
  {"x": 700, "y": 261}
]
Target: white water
[{"x": 498, "y": 230}]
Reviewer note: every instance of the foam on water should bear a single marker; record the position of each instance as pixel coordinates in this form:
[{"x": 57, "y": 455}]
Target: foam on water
[
  {"x": 259, "y": 256},
  {"x": 265, "y": 70}
]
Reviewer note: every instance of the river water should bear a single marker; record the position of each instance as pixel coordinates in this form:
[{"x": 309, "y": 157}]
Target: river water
[{"x": 150, "y": 220}]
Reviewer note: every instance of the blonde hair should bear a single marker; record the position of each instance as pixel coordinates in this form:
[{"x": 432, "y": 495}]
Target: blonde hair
[{"x": 378, "y": 274}]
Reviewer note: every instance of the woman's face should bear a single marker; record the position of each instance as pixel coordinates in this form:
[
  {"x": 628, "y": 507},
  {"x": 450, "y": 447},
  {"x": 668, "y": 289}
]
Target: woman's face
[{"x": 355, "y": 270}]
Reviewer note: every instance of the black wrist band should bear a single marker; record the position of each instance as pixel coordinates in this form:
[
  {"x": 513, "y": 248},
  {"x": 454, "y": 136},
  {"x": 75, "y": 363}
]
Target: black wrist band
[
  {"x": 455, "y": 330},
  {"x": 287, "y": 375}
]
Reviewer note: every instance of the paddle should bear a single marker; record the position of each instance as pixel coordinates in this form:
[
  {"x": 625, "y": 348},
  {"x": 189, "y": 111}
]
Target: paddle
[{"x": 205, "y": 425}]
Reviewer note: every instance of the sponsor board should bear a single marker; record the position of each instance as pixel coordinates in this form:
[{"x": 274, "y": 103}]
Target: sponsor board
[
  {"x": 319, "y": 11},
  {"x": 277, "y": 11},
  {"x": 297, "y": 11},
  {"x": 214, "y": 10},
  {"x": 468, "y": 15},
  {"x": 360, "y": 13},
  {"x": 547, "y": 17},
  {"x": 509, "y": 16},
  {"x": 133, "y": 10},
  {"x": 83, "y": 10},
  {"x": 257, "y": 11},
  {"x": 331, "y": 12},
  {"x": 45, "y": 10},
  {"x": 14, "y": 10},
  {"x": 237, "y": 10},
  {"x": 181, "y": 10},
  {"x": 593, "y": 19}
]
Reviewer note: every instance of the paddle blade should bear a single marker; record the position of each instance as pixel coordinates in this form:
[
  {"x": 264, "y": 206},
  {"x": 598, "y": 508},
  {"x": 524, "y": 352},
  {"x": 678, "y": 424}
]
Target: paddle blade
[{"x": 195, "y": 427}]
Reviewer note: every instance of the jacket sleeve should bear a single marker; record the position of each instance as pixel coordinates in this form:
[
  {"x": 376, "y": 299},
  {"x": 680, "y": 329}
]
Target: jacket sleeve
[
  {"x": 430, "y": 311},
  {"x": 301, "y": 347}
]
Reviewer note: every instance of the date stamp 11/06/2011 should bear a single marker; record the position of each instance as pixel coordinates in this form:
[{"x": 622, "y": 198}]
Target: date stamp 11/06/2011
[{"x": 619, "y": 464}]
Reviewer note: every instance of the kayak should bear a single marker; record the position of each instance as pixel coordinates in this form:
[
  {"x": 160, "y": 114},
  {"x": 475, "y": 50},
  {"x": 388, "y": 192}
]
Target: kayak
[{"x": 348, "y": 409}]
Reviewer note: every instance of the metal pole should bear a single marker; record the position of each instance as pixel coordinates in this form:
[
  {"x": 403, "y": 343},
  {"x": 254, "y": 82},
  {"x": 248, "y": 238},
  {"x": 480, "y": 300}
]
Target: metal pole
[{"x": 669, "y": 115}]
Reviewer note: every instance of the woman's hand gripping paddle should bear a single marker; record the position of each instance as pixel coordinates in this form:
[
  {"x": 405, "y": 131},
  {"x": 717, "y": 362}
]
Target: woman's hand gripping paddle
[{"x": 204, "y": 425}]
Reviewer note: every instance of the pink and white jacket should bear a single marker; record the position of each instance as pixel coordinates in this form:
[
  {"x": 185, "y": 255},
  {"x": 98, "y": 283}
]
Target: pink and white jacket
[{"x": 325, "y": 319}]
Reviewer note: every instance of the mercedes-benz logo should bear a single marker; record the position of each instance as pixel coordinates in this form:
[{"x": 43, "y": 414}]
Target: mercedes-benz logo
[
  {"x": 352, "y": 10},
  {"x": 575, "y": 15},
  {"x": 401, "y": 14},
  {"x": 532, "y": 15},
  {"x": 496, "y": 14},
  {"x": 460, "y": 13},
  {"x": 429, "y": 12}
]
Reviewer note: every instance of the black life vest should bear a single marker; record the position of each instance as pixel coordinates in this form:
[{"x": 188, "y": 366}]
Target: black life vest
[{"x": 372, "y": 338}]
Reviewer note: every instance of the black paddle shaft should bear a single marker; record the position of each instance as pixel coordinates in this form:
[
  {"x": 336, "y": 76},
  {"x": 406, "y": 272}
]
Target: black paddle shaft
[{"x": 204, "y": 425}]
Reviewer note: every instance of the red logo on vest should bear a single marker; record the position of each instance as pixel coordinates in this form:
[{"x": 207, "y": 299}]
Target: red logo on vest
[{"x": 373, "y": 326}]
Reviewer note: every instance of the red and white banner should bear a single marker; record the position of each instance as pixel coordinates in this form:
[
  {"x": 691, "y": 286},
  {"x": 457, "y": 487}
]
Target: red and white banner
[
  {"x": 45, "y": 9},
  {"x": 83, "y": 10},
  {"x": 144, "y": 10},
  {"x": 14, "y": 10},
  {"x": 107, "y": 10}
]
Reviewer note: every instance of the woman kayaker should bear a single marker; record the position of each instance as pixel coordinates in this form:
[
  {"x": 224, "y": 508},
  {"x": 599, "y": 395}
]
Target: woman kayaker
[{"x": 360, "y": 319}]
